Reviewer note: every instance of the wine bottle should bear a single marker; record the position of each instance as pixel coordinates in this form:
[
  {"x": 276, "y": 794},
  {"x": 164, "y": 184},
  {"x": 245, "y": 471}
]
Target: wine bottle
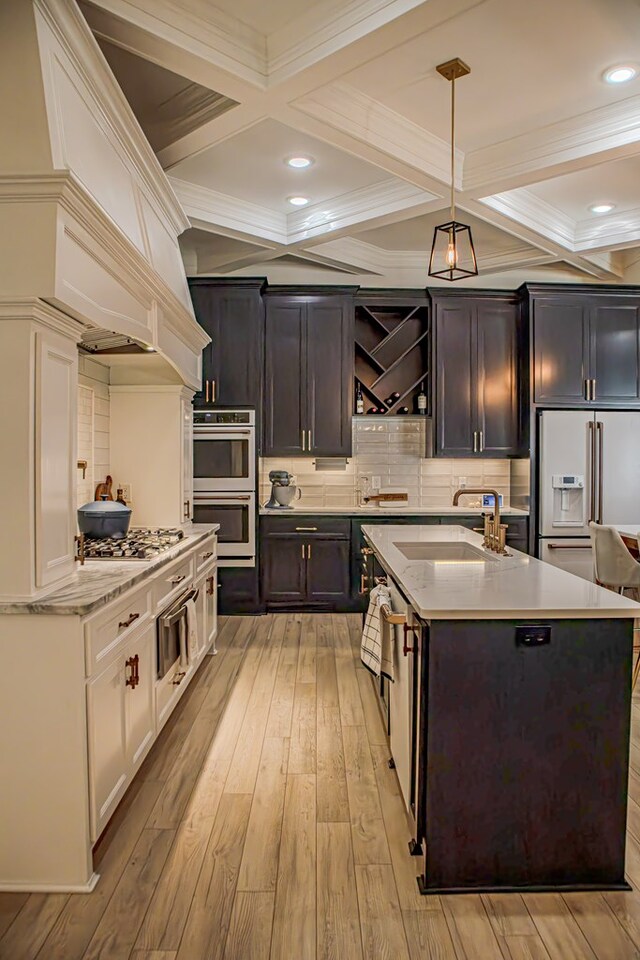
[
  {"x": 359, "y": 398},
  {"x": 422, "y": 401},
  {"x": 372, "y": 410},
  {"x": 403, "y": 410},
  {"x": 392, "y": 399}
]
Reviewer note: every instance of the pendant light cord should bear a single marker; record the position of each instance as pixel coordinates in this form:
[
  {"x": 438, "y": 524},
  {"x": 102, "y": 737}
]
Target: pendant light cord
[{"x": 453, "y": 127}]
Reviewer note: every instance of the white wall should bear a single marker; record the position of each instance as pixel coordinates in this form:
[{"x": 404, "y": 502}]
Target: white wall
[{"x": 93, "y": 426}]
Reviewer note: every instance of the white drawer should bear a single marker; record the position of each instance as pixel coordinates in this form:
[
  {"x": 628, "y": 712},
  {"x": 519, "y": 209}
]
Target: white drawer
[
  {"x": 108, "y": 629},
  {"x": 205, "y": 552},
  {"x": 171, "y": 581}
]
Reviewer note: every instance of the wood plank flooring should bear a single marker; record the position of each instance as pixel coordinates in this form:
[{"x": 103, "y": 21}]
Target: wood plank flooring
[{"x": 266, "y": 825}]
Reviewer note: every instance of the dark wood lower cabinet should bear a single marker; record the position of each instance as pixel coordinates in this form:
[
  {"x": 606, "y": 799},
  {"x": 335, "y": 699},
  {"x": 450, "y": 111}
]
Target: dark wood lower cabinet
[
  {"x": 284, "y": 570},
  {"x": 239, "y": 591},
  {"x": 328, "y": 571}
]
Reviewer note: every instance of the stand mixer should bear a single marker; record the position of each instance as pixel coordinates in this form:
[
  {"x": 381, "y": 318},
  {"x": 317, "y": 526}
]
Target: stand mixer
[{"x": 283, "y": 491}]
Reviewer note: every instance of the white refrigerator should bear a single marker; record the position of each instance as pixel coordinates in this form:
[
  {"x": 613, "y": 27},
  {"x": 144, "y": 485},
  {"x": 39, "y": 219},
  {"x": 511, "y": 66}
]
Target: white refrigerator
[{"x": 588, "y": 469}]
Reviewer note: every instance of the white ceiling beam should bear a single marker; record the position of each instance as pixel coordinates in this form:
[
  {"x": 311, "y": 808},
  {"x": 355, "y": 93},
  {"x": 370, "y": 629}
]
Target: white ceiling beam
[
  {"x": 218, "y": 51},
  {"x": 606, "y": 133},
  {"x": 247, "y": 220},
  {"x": 602, "y": 268},
  {"x": 612, "y": 231}
]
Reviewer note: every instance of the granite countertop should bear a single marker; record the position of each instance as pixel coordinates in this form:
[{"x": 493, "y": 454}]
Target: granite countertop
[
  {"x": 494, "y": 587},
  {"x": 99, "y": 581},
  {"x": 403, "y": 510},
  {"x": 630, "y": 530}
]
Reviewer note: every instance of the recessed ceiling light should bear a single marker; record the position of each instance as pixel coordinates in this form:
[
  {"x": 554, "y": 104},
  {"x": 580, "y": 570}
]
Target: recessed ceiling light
[
  {"x": 298, "y": 201},
  {"x": 299, "y": 163},
  {"x": 602, "y": 207},
  {"x": 621, "y": 73}
]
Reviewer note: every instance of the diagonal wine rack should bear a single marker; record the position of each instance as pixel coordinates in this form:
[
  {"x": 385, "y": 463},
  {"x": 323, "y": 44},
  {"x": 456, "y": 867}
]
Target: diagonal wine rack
[{"x": 392, "y": 349}]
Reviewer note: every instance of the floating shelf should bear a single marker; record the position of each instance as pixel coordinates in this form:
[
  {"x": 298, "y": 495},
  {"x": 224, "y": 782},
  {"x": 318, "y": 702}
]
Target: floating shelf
[{"x": 393, "y": 350}]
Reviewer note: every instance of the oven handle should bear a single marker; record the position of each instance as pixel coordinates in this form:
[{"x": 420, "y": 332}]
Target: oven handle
[
  {"x": 206, "y": 498},
  {"x": 200, "y": 433},
  {"x": 177, "y": 609}
]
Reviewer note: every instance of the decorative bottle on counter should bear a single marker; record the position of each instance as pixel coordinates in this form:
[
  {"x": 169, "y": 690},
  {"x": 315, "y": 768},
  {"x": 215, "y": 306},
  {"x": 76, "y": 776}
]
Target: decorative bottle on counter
[
  {"x": 422, "y": 401},
  {"x": 359, "y": 398}
]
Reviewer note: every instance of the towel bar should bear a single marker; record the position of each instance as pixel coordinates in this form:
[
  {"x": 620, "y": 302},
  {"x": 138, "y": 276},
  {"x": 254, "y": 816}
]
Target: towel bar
[{"x": 390, "y": 616}]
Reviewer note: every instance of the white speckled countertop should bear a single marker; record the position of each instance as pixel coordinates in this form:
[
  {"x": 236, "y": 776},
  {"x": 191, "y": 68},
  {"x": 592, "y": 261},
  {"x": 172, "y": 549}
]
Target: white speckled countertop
[
  {"x": 403, "y": 510},
  {"x": 99, "y": 581},
  {"x": 503, "y": 588}
]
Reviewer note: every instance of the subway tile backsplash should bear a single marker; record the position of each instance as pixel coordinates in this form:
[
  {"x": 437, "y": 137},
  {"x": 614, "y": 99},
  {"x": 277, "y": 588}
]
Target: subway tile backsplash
[{"x": 393, "y": 451}]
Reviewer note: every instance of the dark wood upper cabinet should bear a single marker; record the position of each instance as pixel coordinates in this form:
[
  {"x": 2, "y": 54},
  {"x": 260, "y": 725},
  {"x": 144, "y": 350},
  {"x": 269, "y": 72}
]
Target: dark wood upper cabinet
[
  {"x": 476, "y": 394},
  {"x": 586, "y": 345},
  {"x": 308, "y": 374},
  {"x": 232, "y": 313}
]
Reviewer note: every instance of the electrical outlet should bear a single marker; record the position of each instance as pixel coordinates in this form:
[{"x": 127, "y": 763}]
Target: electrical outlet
[
  {"x": 126, "y": 492},
  {"x": 376, "y": 483}
]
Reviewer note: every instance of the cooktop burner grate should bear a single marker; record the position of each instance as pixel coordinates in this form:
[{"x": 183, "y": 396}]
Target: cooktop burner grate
[{"x": 141, "y": 543}]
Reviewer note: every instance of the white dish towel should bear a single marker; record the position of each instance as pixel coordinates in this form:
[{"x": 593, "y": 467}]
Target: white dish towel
[
  {"x": 376, "y": 646},
  {"x": 192, "y": 630}
]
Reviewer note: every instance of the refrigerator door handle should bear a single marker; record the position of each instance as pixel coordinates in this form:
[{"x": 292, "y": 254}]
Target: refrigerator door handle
[
  {"x": 600, "y": 435},
  {"x": 592, "y": 471}
]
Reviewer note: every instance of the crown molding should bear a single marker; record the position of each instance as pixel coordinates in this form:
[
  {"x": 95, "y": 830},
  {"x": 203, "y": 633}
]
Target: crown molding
[
  {"x": 613, "y": 230},
  {"x": 366, "y": 256},
  {"x": 32, "y": 308},
  {"x": 577, "y": 142},
  {"x": 73, "y": 34},
  {"x": 365, "y": 203},
  {"x": 241, "y": 216},
  {"x": 345, "y": 108},
  {"x": 209, "y": 34}
]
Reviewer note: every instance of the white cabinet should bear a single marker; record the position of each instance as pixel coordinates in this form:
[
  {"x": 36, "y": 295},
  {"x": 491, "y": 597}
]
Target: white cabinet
[
  {"x": 108, "y": 764},
  {"x": 121, "y": 723},
  {"x": 139, "y": 698},
  {"x": 211, "y": 598}
]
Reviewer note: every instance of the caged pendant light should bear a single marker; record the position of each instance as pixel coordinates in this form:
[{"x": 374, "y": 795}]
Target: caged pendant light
[{"x": 452, "y": 253}]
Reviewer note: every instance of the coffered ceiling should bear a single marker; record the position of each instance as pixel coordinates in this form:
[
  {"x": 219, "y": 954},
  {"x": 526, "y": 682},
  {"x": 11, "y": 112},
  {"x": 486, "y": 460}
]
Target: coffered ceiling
[{"x": 226, "y": 92}]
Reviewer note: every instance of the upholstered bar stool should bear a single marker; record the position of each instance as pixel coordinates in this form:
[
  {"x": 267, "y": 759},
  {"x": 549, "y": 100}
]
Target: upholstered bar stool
[{"x": 615, "y": 569}]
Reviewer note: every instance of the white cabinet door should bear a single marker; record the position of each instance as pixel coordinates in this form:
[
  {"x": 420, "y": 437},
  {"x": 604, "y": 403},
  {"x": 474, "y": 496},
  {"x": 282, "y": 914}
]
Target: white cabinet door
[
  {"x": 187, "y": 459},
  {"x": 139, "y": 698},
  {"x": 401, "y": 703},
  {"x": 108, "y": 761}
]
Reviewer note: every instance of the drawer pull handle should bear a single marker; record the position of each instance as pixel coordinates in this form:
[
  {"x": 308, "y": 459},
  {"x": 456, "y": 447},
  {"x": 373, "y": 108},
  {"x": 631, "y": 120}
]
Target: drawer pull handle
[
  {"x": 133, "y": 679},
  {"x": 205, "y": 556},
  {"x": 127, "y": 623},
  {"x": 364, "y": 580},
  {"x": 210, "y": 586},
  {"x": 178, "y": 678},
  {"x": 307, "y": 529},
  {"x": 176, "y": 580},
  {"x": 366, "y": 551}
]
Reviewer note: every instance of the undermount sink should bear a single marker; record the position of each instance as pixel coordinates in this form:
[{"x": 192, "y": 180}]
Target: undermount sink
[{"x": 443, "y": 551}]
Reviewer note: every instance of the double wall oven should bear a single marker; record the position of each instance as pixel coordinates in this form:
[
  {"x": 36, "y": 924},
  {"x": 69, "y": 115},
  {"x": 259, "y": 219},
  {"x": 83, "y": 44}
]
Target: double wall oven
[{"x": 224, "y": 480}]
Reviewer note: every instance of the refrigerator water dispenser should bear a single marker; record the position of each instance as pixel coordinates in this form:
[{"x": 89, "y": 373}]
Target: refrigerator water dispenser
[{"x": 568, "y": 500}]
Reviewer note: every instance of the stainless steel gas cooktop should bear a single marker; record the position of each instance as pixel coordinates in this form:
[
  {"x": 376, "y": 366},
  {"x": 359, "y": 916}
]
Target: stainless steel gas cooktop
[{"x": 141, "y": 543}]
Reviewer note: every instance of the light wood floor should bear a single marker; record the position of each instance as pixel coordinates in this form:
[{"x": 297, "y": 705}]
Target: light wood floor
[{"x": 266, "y": 824}]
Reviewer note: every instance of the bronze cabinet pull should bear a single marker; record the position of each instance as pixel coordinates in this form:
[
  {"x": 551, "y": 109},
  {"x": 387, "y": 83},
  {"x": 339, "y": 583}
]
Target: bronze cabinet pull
[
  {"x": 178, "y": 678},
  {"x": 176, "y": 580},
  {"x": 405, "y": 649},
  {"x": 206, "y": 391},
  {"x": 127, "y": 623},
  {"x": 210, "y": 587},
  {"x": 364, "y": 579},
  {"x": 133, "y": 664},
  {"x": 308, "y": 529},
  {"x": 205, "y": 556},
  {"x": 187, "y": 510}
]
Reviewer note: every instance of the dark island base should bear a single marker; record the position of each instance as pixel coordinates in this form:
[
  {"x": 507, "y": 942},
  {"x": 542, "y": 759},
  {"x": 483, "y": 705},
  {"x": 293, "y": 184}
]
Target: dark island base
[
  {"x": 523, "y": 755},
  {"x": 541, "y": 888}
]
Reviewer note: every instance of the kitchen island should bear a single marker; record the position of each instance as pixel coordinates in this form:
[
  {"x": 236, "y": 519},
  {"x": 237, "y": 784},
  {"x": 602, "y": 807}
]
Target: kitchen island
[{"x": 517, "y": 707}]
